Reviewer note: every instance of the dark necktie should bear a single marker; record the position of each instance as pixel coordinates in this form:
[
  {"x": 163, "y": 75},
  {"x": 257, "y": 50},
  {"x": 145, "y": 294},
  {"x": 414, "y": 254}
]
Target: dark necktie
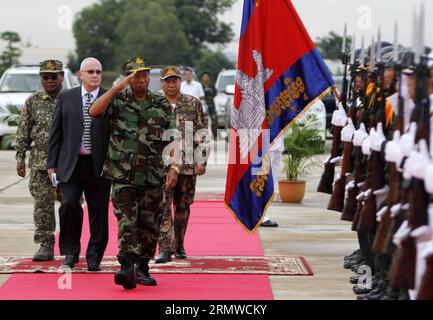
[{"x": 87, "y": 123}]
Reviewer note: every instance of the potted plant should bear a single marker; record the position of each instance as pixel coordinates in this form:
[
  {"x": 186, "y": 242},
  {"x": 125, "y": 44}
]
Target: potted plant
[
  {"x": 9, "y": 119},
  {"x": 303, "y": 142}
]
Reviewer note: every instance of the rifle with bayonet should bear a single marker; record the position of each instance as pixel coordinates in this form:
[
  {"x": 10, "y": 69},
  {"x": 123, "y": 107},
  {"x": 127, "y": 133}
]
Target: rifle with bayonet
[
  {"x": 336, "y": 202},
  {"x": 380, "y": 241},
  {"x": 374, "y": 176},
  {"x": 350, "y": 203},
  {"x": 359, "y": 167},
  {"x": 327, "y": 178},
  {"x": 402, "y": 273}
]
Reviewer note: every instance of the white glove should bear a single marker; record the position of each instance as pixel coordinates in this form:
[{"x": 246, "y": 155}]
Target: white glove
[
  {"x": 417, "y": 162},
  {"x": 381, "y": 195},
  {"x": 393, "y": 150},
  {"x": 378, "y": 138},
  {"x": 422, "y": 234},
  {"x": 348, "y": 131},
  {"x": 428, "y": 180},
  {"x": 407, "y": 140},
  {"x": 54, "y": 181},
  {"x": 336, "y": 159},
  {"x": 395, "y": 209},
  {"x": 401, "y": 233},
  {"x": 368, "y": 192},
  {"x": 359, "y": 136},
  {"x": 381, "y": 213},
  {"x": 350, "y": 185},
  {"x": 361, "y": 196},
  {"x": 421, "y": 161},
  {"x": 339, "y": 117},
  {"x": 361, "y": 185},
  {"x": 366, "y": 145}
]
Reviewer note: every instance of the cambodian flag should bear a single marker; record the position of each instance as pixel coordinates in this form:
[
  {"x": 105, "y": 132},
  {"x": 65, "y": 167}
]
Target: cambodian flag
[{"x": 280, "y": 74}]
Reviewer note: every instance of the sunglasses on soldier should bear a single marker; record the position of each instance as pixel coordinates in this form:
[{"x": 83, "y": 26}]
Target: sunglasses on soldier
[{"x": 52, "y": 76}]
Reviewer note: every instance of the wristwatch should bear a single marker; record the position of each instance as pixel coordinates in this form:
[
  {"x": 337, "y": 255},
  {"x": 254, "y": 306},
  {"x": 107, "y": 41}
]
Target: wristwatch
[{"x": 175, "y": 169}]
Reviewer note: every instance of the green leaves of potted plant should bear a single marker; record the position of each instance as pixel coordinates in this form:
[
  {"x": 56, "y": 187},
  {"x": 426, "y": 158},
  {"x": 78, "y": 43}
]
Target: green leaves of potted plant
[
  {"x": 302, "y": 143},
  {"x": 9, "y": 117}
]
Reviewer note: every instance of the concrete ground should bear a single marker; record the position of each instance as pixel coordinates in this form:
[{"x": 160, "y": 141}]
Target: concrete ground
[{"x": 307, "y": 230}]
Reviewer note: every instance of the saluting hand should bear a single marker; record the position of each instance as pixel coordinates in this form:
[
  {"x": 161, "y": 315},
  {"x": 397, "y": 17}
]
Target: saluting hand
[{"x": 124, "y": 82}]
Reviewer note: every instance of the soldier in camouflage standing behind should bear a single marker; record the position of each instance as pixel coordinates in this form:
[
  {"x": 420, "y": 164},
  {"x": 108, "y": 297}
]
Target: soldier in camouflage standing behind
[
  {"x": 34, "y": 126},
  {"x": 135, "y": 165},
  {"x": 192, "y": 123}
]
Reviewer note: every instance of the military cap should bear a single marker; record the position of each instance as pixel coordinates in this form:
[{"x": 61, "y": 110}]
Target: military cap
[
  {"x": 170, "y": 71},
  {"x": 135, "y": 64},
  {"x": 50, "y": 66}
]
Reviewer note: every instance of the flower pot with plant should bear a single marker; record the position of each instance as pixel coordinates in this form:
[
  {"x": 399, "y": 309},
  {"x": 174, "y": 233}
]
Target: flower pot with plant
[{"x": 303, "y": 142}]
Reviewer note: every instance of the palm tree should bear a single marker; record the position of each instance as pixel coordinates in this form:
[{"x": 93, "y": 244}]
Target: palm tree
[{"x": 9, "y": 115}]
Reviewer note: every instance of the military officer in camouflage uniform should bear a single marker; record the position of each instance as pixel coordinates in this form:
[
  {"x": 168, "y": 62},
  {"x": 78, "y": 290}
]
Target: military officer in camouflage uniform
[
  {"x": 34, "y": 126},
  {"x": 135, "y": 165},
  {"x": 192, "y": 123}
]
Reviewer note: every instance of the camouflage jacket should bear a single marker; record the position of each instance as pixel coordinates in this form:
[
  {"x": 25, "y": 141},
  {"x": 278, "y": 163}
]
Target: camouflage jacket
[
  {"x": 190, "y": 118},
  {"x": 136, "y": 139},
  {"x": 34, "y": 126}
]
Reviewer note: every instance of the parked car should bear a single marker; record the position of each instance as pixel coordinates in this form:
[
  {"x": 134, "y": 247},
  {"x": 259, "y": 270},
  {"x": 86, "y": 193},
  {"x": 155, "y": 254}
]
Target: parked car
[
  {"x": 224, "y": 101},
  {"x": 18, "y": 83}
]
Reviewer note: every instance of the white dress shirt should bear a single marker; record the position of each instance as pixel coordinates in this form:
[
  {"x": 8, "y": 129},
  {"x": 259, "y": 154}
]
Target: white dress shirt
[{"x": 194, "y": 89}]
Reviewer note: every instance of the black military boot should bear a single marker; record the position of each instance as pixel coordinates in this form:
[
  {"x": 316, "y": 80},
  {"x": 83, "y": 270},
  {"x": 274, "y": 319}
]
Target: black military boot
[
  {"x": 348, "y": 263},
  {"x": 45, "y": 253},
  {"x": 180, "y": 253},
  {"x": 355, "y": 279},
  {"x": 126, "y": 276},
  {"x": 142, "y": 272},
  {"x": 164, "y": 256},
  {"x": 353, "y": 255}
]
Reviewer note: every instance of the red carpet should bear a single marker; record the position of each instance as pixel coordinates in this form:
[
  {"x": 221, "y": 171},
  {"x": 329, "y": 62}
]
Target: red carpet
[
  {"x": 275, "y": 265},
  {"x": 212, "y": 231}
]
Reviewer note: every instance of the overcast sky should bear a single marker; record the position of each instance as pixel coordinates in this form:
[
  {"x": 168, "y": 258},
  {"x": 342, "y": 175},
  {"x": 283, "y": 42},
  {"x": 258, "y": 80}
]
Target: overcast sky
[{"x": 46, "y": 24}]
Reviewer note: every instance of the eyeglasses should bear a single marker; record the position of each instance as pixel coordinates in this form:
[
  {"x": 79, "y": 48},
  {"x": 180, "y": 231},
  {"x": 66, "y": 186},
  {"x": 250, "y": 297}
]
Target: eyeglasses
[
  {"x": 52, "y": 76},
  {"x": 98, "y": 72}
]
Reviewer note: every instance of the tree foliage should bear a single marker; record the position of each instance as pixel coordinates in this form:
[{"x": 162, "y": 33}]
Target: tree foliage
[
  {"x": 200, "y": 22},
  {"x": 162, "y": 31},
  {"x": 330, "y": 46},
  {"x": 152, "y": 30},
  {"x": 95, "y": 31},
  {"x": 11, "y": 53},
  {"x": 212, "y": 62}
]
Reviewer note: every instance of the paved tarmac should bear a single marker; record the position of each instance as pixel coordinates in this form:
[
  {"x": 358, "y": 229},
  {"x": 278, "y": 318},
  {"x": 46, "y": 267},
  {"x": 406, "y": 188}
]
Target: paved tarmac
[{"x": 306, "y": 229}]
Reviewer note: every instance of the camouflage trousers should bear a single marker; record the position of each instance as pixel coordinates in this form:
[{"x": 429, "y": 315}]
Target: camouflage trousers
[
  {"x": 138, "y": 210},
  {"x": 172, "y": 231},
  {"x": 44, "y": 217}
]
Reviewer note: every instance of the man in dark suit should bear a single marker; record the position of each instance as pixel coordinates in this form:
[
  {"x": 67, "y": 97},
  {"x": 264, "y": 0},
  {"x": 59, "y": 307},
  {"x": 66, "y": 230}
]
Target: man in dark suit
[{"x": 76, "y": 151}]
